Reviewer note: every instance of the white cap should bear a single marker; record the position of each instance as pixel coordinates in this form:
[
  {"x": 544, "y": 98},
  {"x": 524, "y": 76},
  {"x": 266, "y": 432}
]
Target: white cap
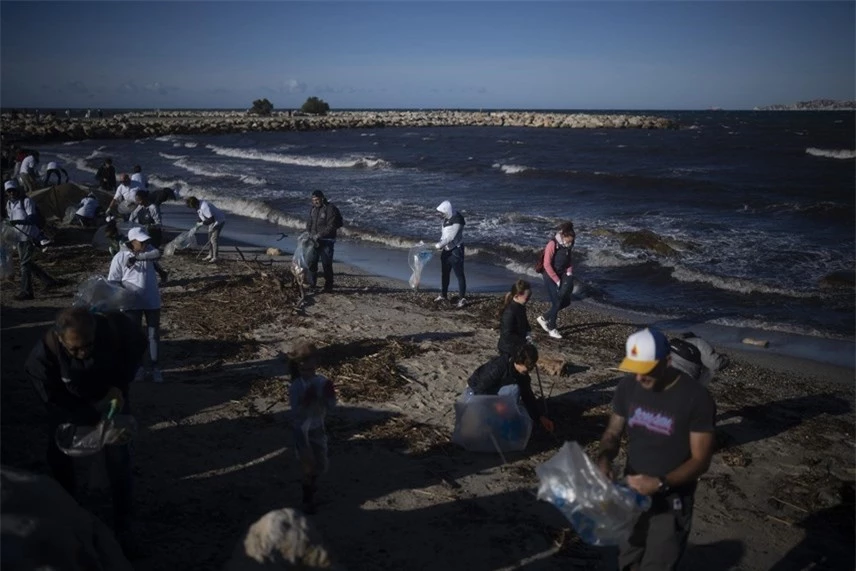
[
  {"x": 138, "y": 234},
  {"x": 10, "y": 184}
]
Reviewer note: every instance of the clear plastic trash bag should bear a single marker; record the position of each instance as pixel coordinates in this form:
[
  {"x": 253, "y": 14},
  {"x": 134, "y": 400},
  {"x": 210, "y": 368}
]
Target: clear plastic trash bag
[
  {"x": 8, "y": 243},
  {"x": 7, "y": 267},
  {"x": 186, "y": 239},
  {"x": 100, "y": 240},
  {"x": 417, "y": 257},
  {"x": 602, "y": 512},
  {"x": 8, "y": 234},
  {"x": 98, "y": 294},
  {"x": 305, "y": 252},
  {"x": 488, "y": 423},
  {"x": 76, "y": 441},
  {"x": 68, "y": 217}
]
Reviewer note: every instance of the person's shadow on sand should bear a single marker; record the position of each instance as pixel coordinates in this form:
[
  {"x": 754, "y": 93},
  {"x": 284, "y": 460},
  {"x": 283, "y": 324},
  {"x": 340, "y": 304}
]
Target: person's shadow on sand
[
  {"x": 759, "y": 422},
  {"x": 828, "y": 542}
]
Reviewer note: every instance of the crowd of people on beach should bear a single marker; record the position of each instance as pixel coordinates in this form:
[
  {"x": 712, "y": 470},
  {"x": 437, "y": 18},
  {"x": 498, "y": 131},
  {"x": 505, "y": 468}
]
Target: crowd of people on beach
[{"x": 82, "y": 366}]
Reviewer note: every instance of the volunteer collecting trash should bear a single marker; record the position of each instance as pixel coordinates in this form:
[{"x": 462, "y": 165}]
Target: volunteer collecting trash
[
  {"x": 214, "y": 219},
  {"x": 22, "y": 215},
  {"x": 311, "y": 396},
  {"x": 509, "y": 375},
  {"x": 81, "y": 364},
  {"x": 514, "y": 329},
  {"x": 557, "y": 269},
  {"x": 451, "y": 246},
  {"x": 670, "y": 421},
  {"x": 133, "y": 268}
]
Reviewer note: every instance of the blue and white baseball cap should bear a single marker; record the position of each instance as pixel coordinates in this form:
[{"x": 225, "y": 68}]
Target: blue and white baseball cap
[{"x": 645, "y": 349}]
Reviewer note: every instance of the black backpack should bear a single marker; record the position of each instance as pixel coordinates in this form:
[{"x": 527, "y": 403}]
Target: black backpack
[
  {"x": 38, "y": 217},
  {"x": 337, "y": 218}
]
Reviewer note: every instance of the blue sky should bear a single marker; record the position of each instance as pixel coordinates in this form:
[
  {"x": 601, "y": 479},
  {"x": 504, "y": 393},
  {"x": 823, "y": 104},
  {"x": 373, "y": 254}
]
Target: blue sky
[{"x": 542, "y": 55}]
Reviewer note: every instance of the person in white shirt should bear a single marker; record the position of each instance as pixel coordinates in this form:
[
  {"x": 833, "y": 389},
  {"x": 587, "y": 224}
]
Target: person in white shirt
[
  {"x": 138, "y": 179},
  {"x": 133, "y": 268},
  {"x": 213, "y": 217},
  {"x": 54, "y": 168},
  {"x": 148, "y": 215},
  {"x": 125, "y": 195},
  {"x": 29, "y": 171},
  {"x": 87, "y": 210},
  {"x": 21, "y": 212}
]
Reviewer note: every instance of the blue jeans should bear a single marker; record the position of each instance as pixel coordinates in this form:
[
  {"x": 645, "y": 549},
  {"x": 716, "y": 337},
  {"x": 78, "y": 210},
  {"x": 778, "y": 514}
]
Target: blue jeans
[
  {"x": 152, "y": 329},
  {"x": 453, "y": 260},
  {"x": 560, "y": 297},
  {"x": 324, "y": 253}
]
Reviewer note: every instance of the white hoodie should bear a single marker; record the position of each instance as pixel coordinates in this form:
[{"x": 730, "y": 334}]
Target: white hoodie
[{"x": 453, "y": 227}]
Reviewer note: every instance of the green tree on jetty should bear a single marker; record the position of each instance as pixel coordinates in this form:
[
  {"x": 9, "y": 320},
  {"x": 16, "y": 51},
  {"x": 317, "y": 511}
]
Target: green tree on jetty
[
  {"x": 262, "y": 107},
  {"x": 315, "y": 106}
]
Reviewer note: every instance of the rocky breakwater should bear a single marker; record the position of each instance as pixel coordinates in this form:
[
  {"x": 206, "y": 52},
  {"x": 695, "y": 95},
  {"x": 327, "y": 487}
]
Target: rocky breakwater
[{"x": 27, "y": 127}]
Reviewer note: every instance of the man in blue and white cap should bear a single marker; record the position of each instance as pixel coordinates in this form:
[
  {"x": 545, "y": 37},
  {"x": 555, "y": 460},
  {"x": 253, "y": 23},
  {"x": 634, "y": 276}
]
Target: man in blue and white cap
[{"x": 669, "y": 419}]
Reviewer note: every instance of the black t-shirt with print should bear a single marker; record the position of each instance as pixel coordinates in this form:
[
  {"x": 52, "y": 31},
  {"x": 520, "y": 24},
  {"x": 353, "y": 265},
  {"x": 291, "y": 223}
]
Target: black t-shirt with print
[{"x": 658, "y": 424}]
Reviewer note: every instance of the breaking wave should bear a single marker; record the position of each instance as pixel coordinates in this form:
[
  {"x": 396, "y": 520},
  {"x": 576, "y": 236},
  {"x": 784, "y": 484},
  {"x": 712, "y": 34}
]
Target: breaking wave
[
  {"x": 831, "y": 153},
  {"x": 320, "y": 162}
]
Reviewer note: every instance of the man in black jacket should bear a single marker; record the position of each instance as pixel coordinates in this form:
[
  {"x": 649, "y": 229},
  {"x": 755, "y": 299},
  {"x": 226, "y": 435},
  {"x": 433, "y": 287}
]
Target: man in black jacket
[
  {"x": 78, "y": 367},
  {"x": 505, "y": 371},
  {"x": 324, "y": 220}
]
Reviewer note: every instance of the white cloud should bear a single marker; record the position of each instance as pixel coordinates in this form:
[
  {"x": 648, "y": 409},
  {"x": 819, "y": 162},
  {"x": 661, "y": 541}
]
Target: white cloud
[{"x": 295, "y": 86}]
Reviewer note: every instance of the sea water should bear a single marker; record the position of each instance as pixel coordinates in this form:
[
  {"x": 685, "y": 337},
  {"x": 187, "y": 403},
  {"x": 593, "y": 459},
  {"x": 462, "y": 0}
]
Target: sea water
[{"x": 735, "y": 220}]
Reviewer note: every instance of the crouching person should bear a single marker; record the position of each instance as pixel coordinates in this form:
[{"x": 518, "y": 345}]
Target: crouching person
[
  {"x": 311, "y": 396},
  {"x": 78, "y": 367},
  {"x": 504, "y": 375},
  {"x": 133, "y": 268}
]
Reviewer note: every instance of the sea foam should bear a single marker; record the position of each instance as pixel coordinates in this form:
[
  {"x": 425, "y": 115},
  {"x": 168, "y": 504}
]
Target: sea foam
[
  {"x": 831, "y": 153},
  {"x": 308, "y": 161}
]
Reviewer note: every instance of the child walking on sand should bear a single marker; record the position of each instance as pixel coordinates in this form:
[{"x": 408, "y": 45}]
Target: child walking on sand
[{"x": 311, "y": 396}]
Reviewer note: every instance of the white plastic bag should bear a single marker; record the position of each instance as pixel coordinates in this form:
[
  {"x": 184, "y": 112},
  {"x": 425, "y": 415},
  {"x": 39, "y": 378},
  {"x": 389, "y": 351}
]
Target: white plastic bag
[
  {"x": 8, "y": 243},
  {"x": 417, "y": 258},
  {"x": 304, "y": 252},
  {"x": 186, "y": 239},
  {"x": 98, "y": 294},
  {"x": 603, "y": 513},
  {"x": 487, "y": 423}
]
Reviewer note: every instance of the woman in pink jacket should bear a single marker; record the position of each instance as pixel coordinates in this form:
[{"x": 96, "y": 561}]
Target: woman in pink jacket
[{"x": 558, "y": 276}]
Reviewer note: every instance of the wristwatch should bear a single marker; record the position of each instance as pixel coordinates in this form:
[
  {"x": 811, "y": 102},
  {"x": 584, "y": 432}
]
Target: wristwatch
[{"x": 664, "y": 486}]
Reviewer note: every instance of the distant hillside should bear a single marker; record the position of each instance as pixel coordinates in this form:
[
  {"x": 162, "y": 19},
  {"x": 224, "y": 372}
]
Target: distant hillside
[{"x": 813, "y": 105}]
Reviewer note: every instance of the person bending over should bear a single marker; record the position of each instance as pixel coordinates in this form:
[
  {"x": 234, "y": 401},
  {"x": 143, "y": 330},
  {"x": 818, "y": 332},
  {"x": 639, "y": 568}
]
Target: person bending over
[{"x": 510, "y": 375}]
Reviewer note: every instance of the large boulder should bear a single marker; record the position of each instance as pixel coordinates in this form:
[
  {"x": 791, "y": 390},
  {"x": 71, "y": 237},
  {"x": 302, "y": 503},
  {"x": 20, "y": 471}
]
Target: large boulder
[
  {"x": 44, "y": 528},
  {"x": 281, "y": 540}
]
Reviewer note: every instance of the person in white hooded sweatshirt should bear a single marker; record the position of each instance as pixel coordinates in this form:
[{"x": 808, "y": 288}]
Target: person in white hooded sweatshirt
[
  {"x": 133, "y": 268},
  {"x": 452, "y": 257}
]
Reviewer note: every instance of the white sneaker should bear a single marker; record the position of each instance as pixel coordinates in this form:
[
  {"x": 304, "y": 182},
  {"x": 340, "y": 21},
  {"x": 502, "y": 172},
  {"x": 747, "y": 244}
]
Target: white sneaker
[
  {"x": 45, "y": 242},
  {"x": 140, "y": 376},
  {"x": 157, "y": 376},
  {"x": 554, "y": 333},
  {"x": 207, "y": 258},
  {"x": 440, "y": 298},
  {"x": 212, "y": 261},
  {"x": 461, "y": 303},
  {"x": 543, "y": 323}
]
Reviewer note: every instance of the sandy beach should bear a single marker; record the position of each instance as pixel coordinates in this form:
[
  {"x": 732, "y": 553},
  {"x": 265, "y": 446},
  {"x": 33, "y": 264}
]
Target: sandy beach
[{"x": 214, "y": 451}]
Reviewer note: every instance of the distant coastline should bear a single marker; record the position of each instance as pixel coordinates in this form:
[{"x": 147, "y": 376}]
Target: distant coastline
[{"x": 813, "y": 105}]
